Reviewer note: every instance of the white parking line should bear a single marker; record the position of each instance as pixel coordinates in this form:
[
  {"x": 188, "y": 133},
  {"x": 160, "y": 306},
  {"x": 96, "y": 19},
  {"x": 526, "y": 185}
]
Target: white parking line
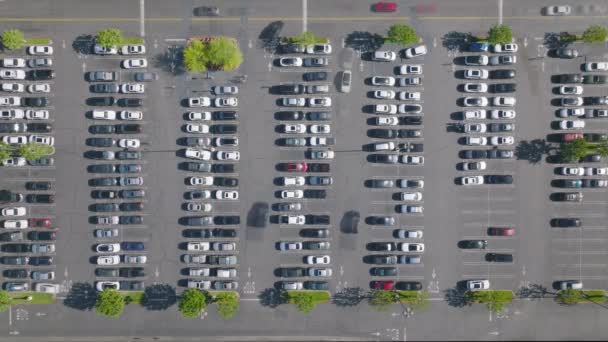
[
  {"x": 485, "y": 212},
  {"x": 485, "y": 276}
]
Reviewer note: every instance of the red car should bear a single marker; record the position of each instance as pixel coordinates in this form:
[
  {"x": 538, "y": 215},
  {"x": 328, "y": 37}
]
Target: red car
[
  {"x": 40, "y": 223},
  {"x": 501, "y": 231},
  {"x": 385, "y": 7},
  {"x": 572, "y": 136},
  {"x": 297, "y": 167},
  {"x": 384, "y": 285}
]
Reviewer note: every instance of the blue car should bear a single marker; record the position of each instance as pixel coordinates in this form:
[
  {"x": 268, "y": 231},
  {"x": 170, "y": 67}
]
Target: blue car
[
  {"x": 132, "y": 246},
  {"x": 479, "y": 47}
]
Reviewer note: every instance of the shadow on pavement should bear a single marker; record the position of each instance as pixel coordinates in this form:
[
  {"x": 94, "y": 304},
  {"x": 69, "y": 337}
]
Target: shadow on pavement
[
  {"x": 349, "y": 296},
  {"x": 456, "y": 41},
  {"x": 269, "y": 36},
  {"x": 159, "y": 297},
  {"x": 456, "y": 296},
  {"x": 271, "y": 297},
  {"x": 364, "y": 41},
  {"x": 533, "y": 151},
  {"x": 82, "y": 296}
]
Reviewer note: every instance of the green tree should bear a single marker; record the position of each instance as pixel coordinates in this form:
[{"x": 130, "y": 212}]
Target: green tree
[
  {"x": 306, "y": 38},
  {"x": 13, "y": 39},
  {"x": 574, "y": 150},
  {"x": 192, "y": 302},
  {"x": 195, "y": 58},
  {"x": 303, "y": 300},
  {"x": 227, "y": 304},
  {"x": 6, "y": 151},
  {"x": 569, "y": 296},
  {"x": 224, "y": 54},
  {"x": 5, "y": 300},
  {"x": 420, "y": 302},
  {"x": 595, "y": 34},
  {"x": 495, "y": 300},
  {"x": 401, "y": 34},
  {"x": 500, "y": 34},
  {"x": 382, "y": 300},
  {"x": 110, "y": 303},
  {"x": 109, "y": 37},
  {"x": 33, "y": 151}
]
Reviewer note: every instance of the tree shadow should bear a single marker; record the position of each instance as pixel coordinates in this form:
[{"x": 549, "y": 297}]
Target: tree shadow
[
  {"x": 533, "y": 151},
  {"x": 349, "y": 296},
  {"x": 364, "y": 41},
  {"x": 84, "y": 44},
  {"x": 171, "y": 61},
  {"x": 159, "y": 297},
  {"x": 554, "y": 40},
  {"x": 456, "y": 297},
  {"x": 349, "y": 224},
  {"x": 533, "y": 291},
  {"x": 456, "y": 41},
  {"x": 269, "y": 37},
  {"x": 82, "y": 296},
  {"x": 258, "y": 215},
  {"x": 271, "y": 297}
]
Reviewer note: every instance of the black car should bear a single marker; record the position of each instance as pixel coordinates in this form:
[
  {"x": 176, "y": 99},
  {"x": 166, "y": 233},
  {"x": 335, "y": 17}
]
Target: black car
[
  {"x": 101, "y": 101},
  {"x": 317, "y": 219},
  {"x": 502, "y": 88},
  {"x": 194, "y": 195},
  {"x": 106, "y": 272},
  {"x": 226, "y": 182},
  {"x": 39, "y": 186},
  {"x": 18, "y": 273},
  {"x": 105, "y": 88},
  {"x": 224, "y": 129},
  {"x": 318, "y": 116},
  {"x": 285, "y": 206},
  {"x": 40, "y": 198},
  {"x": 567, "y": 196},
  {"x": 292, "y": 48},
  {"x": 42, "y": 75},
  {"x": 128, "y": 155},
  {"x": 102, "y": 129},
  {"x": 125, "y": 285},
  {"x": 288, "y": 89},
  {"x": 7, "y": 196},
  {"x": 38, "y": 127},
  {"x": 595, "y": 79},
  {"x": 128, "y": 129},
  {"x": 16, "y": 248},
  {"x": 132, "y": 206},
  {"x": 128, "y": 168},
  {"x": 316, "y": 285},
  {"x": 383, "y": 271},
  {"x": 14, "y": 260},
  {"x": 381, "y": 220},
  {"x": 198, "y": 166},
  {"x": 567, "y": 183},
  {"x": 473, "y": 244},
  {"x": 225, "y": 220},
  {"x": 501, "y": 127},
  {"x": 381, "y": 246},
  {"x": 411, "y": 147},
  {"x": 101, "y": 142},
  {"x": 196, "y": 141},
  {"x": 569, "y": 78},
  {"x": 103, "y": 194},
  {"x": 11, "y": 236},
  {"x": 499, "y": 257},
  {"x": 42, "y": 235},
  {"x": 104, "y": 207},
  {"x": 379, "y": 183},
  {"x": 225, "y": 115},
  {"x": 409, "y": 133},
  {"x": 13, "y": 127},
  {"x": 500, "y": 154},
  {"x": 209, "y": 233},
  {"x": 408, "y": 285},
  {"x": 130, "y": 102},
  {"x": 597, "y": 100},
  {"x": 383, "y": 133},
  {"x": 498, "y": 179},
  {"x": 41, "y": 261},
  {"x": 145, "y": 76},
  {"x": 502, "y": 74},
  {"x": 289, "y": 115},
  {"x": 566, "y": 53},
  {"x": 106, "y": 181},
  {"x": 593, "y": 137},
  {"x": 383, "y": 158},
  {"x": 320, "y": 233},
  {"x": 319, "y": 180},
  {"x": 410, "y": 120},
  {"x": 566, "y": 222},
  {"x": 315, "y": 76},
  {"x": 130, "y": 220},
  {"x": 35, "y": 101},
  {"x": 318, "y": 167},
  {"x": 292, "y": 272},
  {"x": 131, "y": 272},
  {"x": 591, "y": 158},
  {"x": 132, "y": 246},
  {"x": 132, "y": 193}
]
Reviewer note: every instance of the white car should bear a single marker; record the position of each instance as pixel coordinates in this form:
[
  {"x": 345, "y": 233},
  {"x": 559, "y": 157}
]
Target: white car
[
  {"x": 295, "y": 181},
  {"x": 13, "y": 62},
  {"x": 39, "y": 88},
  {"x": 292, "y": 194},
  {"x": 98, "y": 49},
  {"x": 292, "y": 219},
  {"x": 225, "y": 90},
  {"x": 290, "y": 61},
  {"x": 409, "y": 96},
  {"x": 41, "y": 114},
  {"x": 199, "y": 101},
  {"x": 503, "y": 101},
  {"x": 572, "y": 171},
  {"x": 384, "y": 56},
  {"x": 40, "y": 50},
  {"x": 318, "y": 49},
  {"x": 103, "y": 115},
  {"x": 409, "y": 234},
  {"x": 193, "y": 206},
  {"x": 475, "y": 101},
  {"x": 411, "y": 196},
  {"x": 319, "y": 102},
  {"x": 15, "y": 162},
  {"x": 131, "y": 115},
  {"x": 501, "y": 140},
  {"x": 318, "y": 259},
  {"x": 227, "y": 155},
  {"x": 410, "y": 69},
  {"x": 596, "y": 66},
  {"x": 197, "y": 128},
  {"x": 475, "y": 87},
  {"x": 12, "y": 114},
  {"x": 133, "y": 88},
  {"x": 476, "y": 74},
  {"x": 108, "y": 260},
  {"x": 294, "y": 128},
  {"x": 227, "y": 195},
  {"x": 226, "y": 102},
  {"x": 479, "y": 114},
  {"x": 322, "y": 154},
  {"x": 293, "y": 102},
  {"x": 473, "y": 285},
  {"x": 8, "y": 74},
  {"x": 205, "y": 181},
  {"x": 411, "y": 247},
  {"x": 596, "y": 171},
  {"x": 193, "y": 153},
  {"x": 320, "y": 129},
  {"x": 387, "y": 81},
  {"x": 474, "y": 166},
  {"x": 566, "y": 112},
  {"x": 410, "y": 183},
  {"x": 15, "y": 224},
  {"x": 502, "y": 114},
  {"x": 420, "y": 50},
  {"x": 385, "y": 109},
  {"x": 107, "y": 248},
  {"x": 198, "y": 246},
  {"x": 10, "y": 101},
  {"x": 475, "y": 141},
  {"x": 319, "y": 272},
  {"x": 133, "y": 50},
  {"x": 475, "y": 128},
  {"x": 135, "y": 63},
  {"x": 572, "y": 124},
  {"x": 471, "y": 180},
  {"x": 14, "y": 211},
  {"x": 199, "y": 116},
  {"x": 384, "y": 94},
  {"x": 14, "y": 139},
  {"x": 386, "y": 121},
  {"x": 13, "y": 87},
  {"x": 571, "y": 89},
  {"x": 129, "y": 143},
  {"x": 510, "y": 47},
  {"x": 41, "y": 139},
  {"x": 411, "y": 160},
  {"x": 40, "y": 62},
  {"x": 46, "y": 288},
  {"x": 130, "y": 181}
]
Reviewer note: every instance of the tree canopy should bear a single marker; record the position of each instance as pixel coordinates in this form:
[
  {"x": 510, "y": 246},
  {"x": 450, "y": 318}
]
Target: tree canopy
[
  {"x": 109, "y": 37},
  {"x": 5, "y": 300},
  {"x": 192, "y": 302},
  {"x": 382, "y": 300},
  {"x": 574, "y": 150},
  {"x": 110, "y": 303},
  {"x": 401, "y": 34},
  {"x": 221, "y": 53},
  {"x": 33, "y": 151},
  {"x": 6, "y": 151},
  {"x": 13, "y": 39},
  {"x": 569, "y": 296},
  {"x": 195, "y": 58},
  {"x": 500, "y": 34},
  {"x": 595, "y": 34},
  {"x": 227, "y": 304},
  {"x": 306, "y": 38}
]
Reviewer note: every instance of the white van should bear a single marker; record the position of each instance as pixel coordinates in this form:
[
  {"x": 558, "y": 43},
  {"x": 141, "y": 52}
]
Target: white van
[
  {"x": 104, "y": 115},
  {"x": 387, "y": 146}
]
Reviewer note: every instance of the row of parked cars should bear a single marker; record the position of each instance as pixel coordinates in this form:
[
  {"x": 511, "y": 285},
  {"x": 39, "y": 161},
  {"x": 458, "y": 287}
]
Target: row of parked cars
[{"x": 211, "y": 151}]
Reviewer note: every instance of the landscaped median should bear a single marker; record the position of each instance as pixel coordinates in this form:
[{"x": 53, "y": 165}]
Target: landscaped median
[
  {"x": 31, "y": 298},
  {"x": 193, "y": 301},
  {"x": 495, "y": 300},
  {"x": 572, "y": 296},
  {"x": 305, "y": 300}
]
